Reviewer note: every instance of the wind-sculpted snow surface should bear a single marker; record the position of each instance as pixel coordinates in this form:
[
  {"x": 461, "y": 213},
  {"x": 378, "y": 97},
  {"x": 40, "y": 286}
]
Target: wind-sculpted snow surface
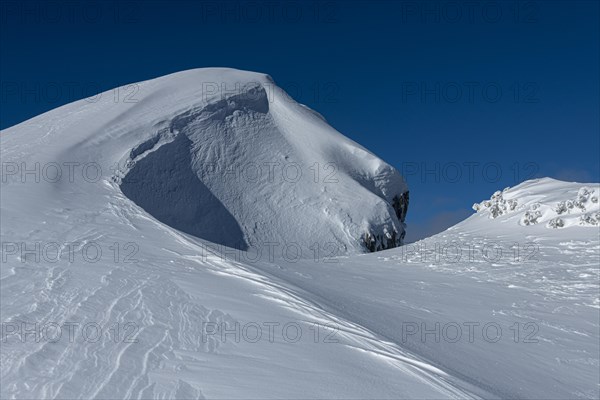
[
  {"x": 111, "y": 289},
  {"x": 511, "y": 310}
]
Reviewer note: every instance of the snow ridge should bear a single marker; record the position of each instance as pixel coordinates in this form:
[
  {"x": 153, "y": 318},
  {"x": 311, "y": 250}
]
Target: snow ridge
[{"x": 577, "y": 205}]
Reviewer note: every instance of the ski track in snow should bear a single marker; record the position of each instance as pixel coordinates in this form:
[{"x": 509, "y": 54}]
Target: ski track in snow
[
  {"x": 163, "y": 298},
  {"x": 104, "y": 369}
]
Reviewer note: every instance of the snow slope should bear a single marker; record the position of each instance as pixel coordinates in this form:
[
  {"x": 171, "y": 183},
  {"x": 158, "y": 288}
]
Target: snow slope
[
  {"x": 150, "y": 305},
  {"x": 511, "y": 309}
]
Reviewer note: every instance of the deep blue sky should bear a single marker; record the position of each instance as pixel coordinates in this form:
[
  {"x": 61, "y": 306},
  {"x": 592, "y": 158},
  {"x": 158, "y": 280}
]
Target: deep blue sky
[{"x": 470, "y": 88}]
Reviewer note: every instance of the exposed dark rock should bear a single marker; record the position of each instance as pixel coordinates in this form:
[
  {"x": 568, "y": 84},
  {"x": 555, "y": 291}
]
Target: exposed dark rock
[
  {"x": 400, "y": 205},
  {"x": 387, "y": 240}
]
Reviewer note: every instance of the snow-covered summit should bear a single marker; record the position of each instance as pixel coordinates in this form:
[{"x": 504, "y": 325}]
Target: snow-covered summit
[{"x": 227, "y": 156}]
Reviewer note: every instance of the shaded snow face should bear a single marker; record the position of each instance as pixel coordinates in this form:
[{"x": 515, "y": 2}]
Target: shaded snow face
[
  {"x": 251, "y": 168},
  {"x": 168, "y": 170},
  {"x": 164, "y": 184}
]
